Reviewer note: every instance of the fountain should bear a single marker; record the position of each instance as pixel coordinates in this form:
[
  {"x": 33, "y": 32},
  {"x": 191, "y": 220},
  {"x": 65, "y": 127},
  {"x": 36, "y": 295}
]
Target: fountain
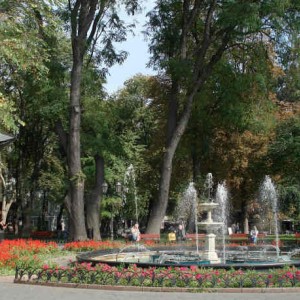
[
  {"x": 221, "y": 198},
  {"x": 209, "y": 224},
  {"x": 268, "y": 195},
  {"x": 240, "y": 257},
  {"x": 130, "y": 189}
]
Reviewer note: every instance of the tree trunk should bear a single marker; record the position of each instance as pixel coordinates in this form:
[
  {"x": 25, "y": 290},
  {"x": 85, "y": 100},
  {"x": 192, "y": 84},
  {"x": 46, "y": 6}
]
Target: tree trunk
[
  {"x": 83, "y": 22},
  {"x": 172, "y": 111},
  {"x": 160, "y": 206},
  {"x": 204, "y": 62},
  {"x": 196, "y": 164},
  {"x": 76, "y": 175},
  {"x": 93, "y": 203}
]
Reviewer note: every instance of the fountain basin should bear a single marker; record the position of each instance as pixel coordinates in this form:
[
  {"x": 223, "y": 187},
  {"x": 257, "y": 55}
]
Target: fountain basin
[
  {"x": 208, "y": 206},
  {"x": 212, "y": 226},
  {"x": 176, "y": 256}
]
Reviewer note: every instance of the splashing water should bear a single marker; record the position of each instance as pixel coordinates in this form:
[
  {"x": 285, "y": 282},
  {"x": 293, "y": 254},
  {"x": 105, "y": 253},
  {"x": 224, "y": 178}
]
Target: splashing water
[
  {"x": 129, "y": 181},
  {"x": 222, "y": 199},
  {"x": 186, "y": 206},
  {"x": 268, "y": 195}
]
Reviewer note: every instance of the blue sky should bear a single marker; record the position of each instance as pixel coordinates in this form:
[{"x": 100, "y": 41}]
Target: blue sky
[{"x": 138, "y": 55}]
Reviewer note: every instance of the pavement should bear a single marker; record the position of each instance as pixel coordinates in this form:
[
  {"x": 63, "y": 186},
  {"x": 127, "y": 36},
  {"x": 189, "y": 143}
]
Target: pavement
[{"x": 19, "y": 291}]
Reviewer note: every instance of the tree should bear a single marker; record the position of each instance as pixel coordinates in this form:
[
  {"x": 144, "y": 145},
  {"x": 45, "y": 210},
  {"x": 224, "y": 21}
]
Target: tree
[
  {"x": 88, "y": 20},
  {"x": 117, "y": 131},
  {"x": 189, "y": 39},
  {"x": 27, "y": 45},
  {"x": 284, "y": 151}
]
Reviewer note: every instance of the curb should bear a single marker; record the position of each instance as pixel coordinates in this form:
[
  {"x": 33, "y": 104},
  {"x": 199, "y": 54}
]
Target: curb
[
  {"x": 9, "y": 278},
  {"x": 161, "y": 289}
]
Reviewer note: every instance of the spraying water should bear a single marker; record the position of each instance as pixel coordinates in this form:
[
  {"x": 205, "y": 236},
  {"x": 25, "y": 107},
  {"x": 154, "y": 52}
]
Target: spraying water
[
  {"x": 268, "y": 195},
  {"x": 221, "y": 198},
  {"x": 190, "y": 204},
  {"x": 129, "y": 182},
  {"x": 186, "y": 206}
]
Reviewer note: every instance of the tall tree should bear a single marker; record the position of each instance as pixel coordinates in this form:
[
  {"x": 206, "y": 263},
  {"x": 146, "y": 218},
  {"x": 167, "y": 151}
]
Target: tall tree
[
  {"x": 188, "y": 40},
  {"x": 27, "y": 46},
  {"x": 89, "y": 20}
]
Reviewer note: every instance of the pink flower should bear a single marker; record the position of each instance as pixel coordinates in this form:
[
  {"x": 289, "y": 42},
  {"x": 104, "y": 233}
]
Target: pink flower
[
  {"x": 118, "y": 274},
  {"x": 193, "y": 268},
  {"x": 199, "y": 276}
]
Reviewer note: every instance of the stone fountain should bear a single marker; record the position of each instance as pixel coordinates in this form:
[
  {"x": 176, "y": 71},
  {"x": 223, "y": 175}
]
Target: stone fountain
[
  {"x": 238, "y": 257},
  {"x": 209, "y": 225}
]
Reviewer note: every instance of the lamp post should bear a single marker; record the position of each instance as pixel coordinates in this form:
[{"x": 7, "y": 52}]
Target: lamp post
[
  {"x": 104, "y": 187},
  {"x": 118, "y": 187},
  {"x": 118, "y": 190}
]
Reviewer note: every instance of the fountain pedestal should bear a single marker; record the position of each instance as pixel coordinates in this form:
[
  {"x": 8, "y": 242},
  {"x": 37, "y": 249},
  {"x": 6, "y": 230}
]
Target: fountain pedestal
[
  {"x": 209, "y": 252},
  {"x": 210, "y": 249}
]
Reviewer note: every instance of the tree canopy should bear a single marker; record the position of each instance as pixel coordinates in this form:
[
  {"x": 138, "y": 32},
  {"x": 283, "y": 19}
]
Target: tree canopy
[{"x": 225, "y": 100}]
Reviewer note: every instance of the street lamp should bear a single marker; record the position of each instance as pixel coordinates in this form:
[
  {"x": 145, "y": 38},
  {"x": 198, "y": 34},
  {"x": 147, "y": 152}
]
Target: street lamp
[
  {"x": 118, "y": 188},
  {"x": 104, "y": 187}
]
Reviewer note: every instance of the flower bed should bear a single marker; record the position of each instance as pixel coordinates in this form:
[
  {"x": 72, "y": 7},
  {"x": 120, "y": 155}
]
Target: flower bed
[
  {"x": 21, "y": 250},
  {"x": 183, "y": 277}
]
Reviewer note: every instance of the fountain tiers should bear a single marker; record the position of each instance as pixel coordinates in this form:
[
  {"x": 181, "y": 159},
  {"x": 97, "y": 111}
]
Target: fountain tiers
[{"x": 209, "y": 225}]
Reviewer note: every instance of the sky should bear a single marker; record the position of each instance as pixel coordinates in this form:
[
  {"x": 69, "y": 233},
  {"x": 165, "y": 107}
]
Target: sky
[{"x": 138, "y": 55}]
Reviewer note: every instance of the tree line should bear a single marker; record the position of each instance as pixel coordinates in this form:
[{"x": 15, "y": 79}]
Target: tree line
[{"x": 225, "y": 100}]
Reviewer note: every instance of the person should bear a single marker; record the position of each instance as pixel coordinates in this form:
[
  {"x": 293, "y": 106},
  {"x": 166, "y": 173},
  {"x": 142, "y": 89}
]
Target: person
[
  {"x": 253, "y": 235},
  {"x": 135, "y": 233},
  {"x": 233, "y": 228},
  {"x": 181, "y": 232},
  {"x": 63, "y": 229}
]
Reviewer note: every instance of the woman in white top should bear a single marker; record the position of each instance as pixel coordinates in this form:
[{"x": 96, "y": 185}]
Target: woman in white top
[
  {"x": 135, "y": 232},
  {"x": 254, "y": 234}
]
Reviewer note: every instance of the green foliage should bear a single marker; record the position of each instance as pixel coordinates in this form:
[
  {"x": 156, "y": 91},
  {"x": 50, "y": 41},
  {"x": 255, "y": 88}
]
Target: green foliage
[
  {"x": 9, "y": 120},
  {"x": 289, "y": 198},
  {"x": 34, "y": 59},
  {"x": 110, "y": 206},
  {"x": 284, "y": 151}
]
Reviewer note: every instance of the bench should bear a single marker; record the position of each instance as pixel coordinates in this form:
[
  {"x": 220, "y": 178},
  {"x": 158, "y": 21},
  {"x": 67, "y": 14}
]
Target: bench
[
  {"x": 150, "y": 237},
  {"x": 193, "y": 236},
  {"x": 239, "y": 236},
  {"x": 244, "y": 237},
  {"x": 297, "y": 238},
  {"x": 43, "y": 234}
]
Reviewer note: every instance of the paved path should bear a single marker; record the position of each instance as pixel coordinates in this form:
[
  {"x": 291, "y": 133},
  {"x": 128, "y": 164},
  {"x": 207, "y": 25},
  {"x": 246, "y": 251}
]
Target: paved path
[{"x": 13, "y": 291}]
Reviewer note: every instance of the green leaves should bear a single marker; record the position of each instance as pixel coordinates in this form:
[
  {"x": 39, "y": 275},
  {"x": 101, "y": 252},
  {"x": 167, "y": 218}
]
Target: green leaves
[
  {"x": 285, "y": 150},
  {"x": 8, "y": 121}
]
